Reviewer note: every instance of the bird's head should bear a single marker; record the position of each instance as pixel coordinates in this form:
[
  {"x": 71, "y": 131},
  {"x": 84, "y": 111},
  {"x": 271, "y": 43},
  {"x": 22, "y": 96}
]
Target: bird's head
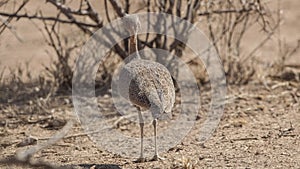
[{"x": 131, "y": 23}]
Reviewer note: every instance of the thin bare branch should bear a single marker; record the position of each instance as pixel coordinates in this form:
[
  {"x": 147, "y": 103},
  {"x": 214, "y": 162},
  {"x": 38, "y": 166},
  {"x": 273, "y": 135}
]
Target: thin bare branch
[
  {"x": 118, "y": 9},
  {"x": 65, "y": 10},
  {"x": 46, "y": 18},
  {"x": 5, "y": 23},
  {"x": 243, "y": 60}
]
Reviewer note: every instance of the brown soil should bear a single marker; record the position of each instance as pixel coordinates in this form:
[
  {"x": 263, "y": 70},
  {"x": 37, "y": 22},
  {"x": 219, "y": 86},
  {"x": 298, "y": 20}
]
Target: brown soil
[{"x": 259, "y": 129}]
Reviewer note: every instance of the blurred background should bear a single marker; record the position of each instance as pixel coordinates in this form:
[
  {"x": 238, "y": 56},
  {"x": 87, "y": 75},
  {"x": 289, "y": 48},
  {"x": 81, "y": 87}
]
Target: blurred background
[{"x": 265, "y": 33}]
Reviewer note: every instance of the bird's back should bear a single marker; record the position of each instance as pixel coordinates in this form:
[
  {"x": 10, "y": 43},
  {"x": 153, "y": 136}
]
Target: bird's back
[{"x": 146, "y": 82}]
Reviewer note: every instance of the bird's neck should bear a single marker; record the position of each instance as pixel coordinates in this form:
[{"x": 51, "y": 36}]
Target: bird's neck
[{"x": 133, "y": 46}]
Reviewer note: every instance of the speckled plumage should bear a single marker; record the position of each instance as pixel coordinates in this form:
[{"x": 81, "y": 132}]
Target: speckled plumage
[
  {"x": 150, "y": 86},
  {"x": 146, "y": 84}
]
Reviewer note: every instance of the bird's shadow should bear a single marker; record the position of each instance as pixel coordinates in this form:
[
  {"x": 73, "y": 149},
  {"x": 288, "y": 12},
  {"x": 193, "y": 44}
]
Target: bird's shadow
[{"x": 95, "y": 166}]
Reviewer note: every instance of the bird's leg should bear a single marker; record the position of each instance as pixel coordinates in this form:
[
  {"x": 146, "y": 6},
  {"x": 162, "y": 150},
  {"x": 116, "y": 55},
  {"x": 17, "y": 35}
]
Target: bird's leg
[
  {"x": 141, "y": 120},
  {"x": 156, "y": 156}
]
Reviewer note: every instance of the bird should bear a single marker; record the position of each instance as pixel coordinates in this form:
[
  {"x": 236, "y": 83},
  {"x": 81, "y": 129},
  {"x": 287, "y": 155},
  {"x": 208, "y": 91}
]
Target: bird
[{"x": 148, "y": 85}]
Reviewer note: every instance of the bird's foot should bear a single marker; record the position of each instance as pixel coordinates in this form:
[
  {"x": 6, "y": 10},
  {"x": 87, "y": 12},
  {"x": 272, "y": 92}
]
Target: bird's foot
[
  {"x": 140, "y": 160},
  {"x": 157, "y": 158}
]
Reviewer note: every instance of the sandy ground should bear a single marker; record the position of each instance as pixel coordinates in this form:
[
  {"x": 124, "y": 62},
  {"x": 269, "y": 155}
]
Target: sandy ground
[{"x": 259, "y": 129}]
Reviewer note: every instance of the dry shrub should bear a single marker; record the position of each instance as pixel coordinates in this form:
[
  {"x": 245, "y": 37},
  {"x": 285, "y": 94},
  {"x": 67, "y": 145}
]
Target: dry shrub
[
  {"x": 17, "y": 85},
  {"x": 226, "y": 23}
]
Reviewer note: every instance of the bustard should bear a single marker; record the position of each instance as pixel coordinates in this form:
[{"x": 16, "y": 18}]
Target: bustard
[{"x": 146, "y": 84}]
